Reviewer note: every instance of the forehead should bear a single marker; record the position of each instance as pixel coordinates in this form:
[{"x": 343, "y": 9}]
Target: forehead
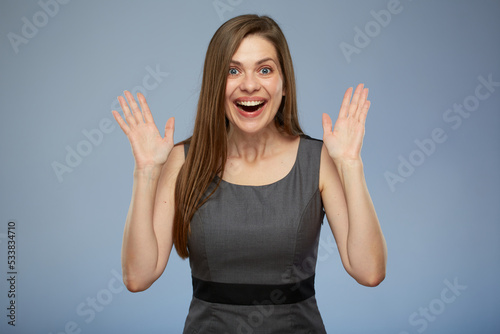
[{"x": 254, "y": 48}]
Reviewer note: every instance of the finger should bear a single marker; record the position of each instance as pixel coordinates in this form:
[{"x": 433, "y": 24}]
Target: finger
[
  {"x": 364, "y": 112},
  {"x": 344, "y": 108},
  {"x": 361, "y": 103},
  {"x": 169, "y": 129},
  {"x": 148, "y": 117},
  {"x": 120, "y": 122},
  {"x": 136, "y": 112},
  {"x": 327, "y": 124},
  {"x": 355, "y": 99},
  {"x": 126, "y": 111}
]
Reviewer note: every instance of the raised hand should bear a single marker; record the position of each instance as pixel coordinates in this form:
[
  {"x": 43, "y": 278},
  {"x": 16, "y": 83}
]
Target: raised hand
[
  {"x": 344, "y": 142},
  {"x": 150, "y": 149}
]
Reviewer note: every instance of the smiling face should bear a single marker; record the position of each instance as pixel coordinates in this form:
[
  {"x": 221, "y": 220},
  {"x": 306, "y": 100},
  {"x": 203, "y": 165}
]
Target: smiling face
[{"x": 254, "y": 87}]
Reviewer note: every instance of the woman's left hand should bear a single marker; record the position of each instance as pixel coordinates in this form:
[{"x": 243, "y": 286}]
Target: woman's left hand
[{"x": 345, "y": 141}]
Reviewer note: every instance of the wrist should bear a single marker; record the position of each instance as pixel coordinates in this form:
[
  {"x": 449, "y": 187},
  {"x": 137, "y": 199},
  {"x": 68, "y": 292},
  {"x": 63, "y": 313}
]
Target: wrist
[
  {"x": 148, "y": 171},
  {"x": 348, "y": 163},
  {"x": 350, "y": 171}
]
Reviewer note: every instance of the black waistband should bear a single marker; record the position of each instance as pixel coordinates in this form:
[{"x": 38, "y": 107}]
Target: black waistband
[{"x": 253, "y": 294}]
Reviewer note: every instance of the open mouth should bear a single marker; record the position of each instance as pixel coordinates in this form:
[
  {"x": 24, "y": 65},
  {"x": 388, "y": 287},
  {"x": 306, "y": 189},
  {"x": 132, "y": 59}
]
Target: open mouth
[{"x": 250, "y": 106}]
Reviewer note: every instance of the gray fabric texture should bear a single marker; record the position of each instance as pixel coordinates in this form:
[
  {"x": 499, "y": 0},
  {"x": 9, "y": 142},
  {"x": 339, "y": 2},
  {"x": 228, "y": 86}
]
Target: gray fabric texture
[{"x": 259, "y": 235}]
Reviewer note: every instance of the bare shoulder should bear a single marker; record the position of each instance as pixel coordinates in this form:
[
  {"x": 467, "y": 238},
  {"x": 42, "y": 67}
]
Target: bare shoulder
[
  {"x": 328, "y": 172},
  {"x": 173, "y": 165},
  {"x": 177, "y": 156}
]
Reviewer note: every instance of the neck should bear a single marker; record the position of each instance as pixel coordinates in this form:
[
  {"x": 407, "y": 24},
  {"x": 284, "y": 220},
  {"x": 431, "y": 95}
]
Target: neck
[{"x": 253, "y": 146}]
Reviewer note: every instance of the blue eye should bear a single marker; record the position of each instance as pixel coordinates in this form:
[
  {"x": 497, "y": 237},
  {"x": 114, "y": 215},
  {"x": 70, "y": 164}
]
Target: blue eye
[
  {"x": 233, "y": 71},
  {"x": 266, "y": 70}
]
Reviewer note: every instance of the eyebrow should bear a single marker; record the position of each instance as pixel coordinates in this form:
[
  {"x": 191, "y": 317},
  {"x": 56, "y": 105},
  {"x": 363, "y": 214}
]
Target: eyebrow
[{"x": 257, "y": 63}]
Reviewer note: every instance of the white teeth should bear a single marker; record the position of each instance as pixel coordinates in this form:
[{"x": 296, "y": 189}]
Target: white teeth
[{"x": 249, "y": 103}]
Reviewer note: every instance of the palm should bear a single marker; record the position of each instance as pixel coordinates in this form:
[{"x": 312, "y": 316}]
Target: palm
[
  {"x": 148, "y": 146},
  {"x": 345, "y": 140}
]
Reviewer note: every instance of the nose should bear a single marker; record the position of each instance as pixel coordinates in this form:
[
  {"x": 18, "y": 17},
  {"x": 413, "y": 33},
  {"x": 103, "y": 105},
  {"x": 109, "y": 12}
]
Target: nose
[{"x": 249, "y": 83}]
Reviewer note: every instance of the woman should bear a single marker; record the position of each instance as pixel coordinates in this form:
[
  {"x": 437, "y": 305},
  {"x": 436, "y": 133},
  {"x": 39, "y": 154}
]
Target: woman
[{"x": 244, "y": 197}]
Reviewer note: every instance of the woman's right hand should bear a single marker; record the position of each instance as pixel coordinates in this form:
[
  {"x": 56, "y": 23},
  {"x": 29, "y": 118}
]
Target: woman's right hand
[{"x": 148, "y": 146}]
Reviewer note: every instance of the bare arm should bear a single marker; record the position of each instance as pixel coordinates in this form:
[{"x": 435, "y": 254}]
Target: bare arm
[
  {"x": 346, "y": 199},
  {"x": 147, "y": 239}
]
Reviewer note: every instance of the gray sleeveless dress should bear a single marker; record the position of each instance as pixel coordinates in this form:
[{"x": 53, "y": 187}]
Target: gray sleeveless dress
[{"x": 253, "y": 254}]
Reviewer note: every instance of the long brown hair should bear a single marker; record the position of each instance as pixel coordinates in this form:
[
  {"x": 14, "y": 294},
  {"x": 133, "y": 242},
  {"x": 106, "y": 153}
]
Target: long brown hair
[{"x": 208, "y": 145}]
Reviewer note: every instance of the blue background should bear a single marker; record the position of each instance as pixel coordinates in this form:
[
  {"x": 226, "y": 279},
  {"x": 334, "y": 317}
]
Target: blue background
[{"x": 441, "y": 223}]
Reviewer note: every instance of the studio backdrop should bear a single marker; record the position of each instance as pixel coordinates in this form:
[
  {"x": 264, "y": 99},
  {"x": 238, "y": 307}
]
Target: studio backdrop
[{"x": 430, "y": 153}]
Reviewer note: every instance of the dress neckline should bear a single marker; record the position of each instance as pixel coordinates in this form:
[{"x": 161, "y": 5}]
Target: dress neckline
[{"x": 294, "y": 166}]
